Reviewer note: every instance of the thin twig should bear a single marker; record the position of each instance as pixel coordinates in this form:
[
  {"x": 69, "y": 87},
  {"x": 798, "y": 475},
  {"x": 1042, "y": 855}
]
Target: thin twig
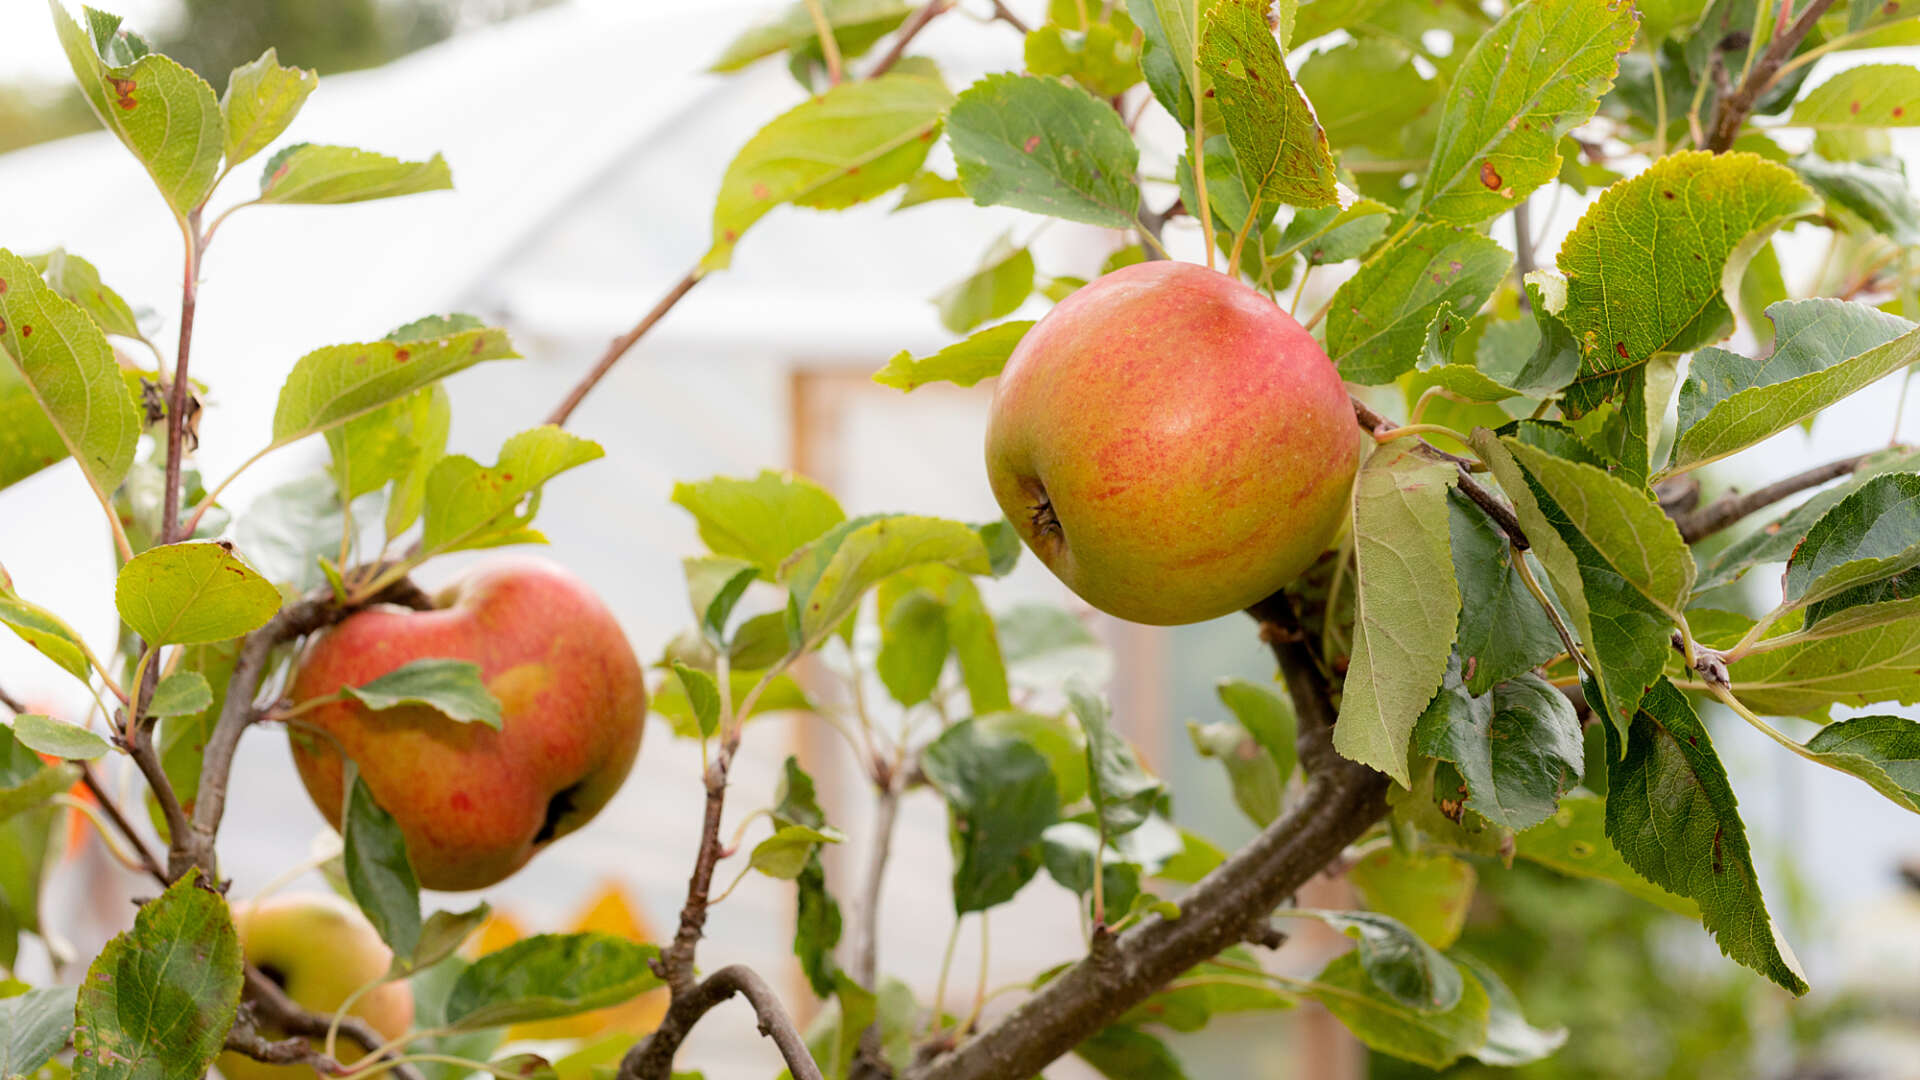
[
  {"x": 1732, "y": 110},
  {"x": 182, "y": 389},
  {"x": 122, "y": 825},
  {"x": 271, "y": 1005},
  {"x": 908, "y": 31},
  {"x": 1724, "y": 511},
  {"x": 1006, "y": 15},
  {"x": 620, "y": 346},
  {"x": 653, "y": 1056}
]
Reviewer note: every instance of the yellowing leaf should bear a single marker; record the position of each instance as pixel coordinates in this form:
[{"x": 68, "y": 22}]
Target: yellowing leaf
[{"x": 1406, "y": 605}]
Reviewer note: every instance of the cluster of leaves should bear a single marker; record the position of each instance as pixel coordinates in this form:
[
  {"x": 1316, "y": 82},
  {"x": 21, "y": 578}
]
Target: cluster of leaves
[{"x": 1331, "y": 132}]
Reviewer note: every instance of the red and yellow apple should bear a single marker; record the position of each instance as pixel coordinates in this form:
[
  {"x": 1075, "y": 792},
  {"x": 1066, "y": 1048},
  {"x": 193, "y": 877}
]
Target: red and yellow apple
[
  {"x": 319, "y": 949},
  {"x": 474, "y": 803},
  {"x": 1171, "y": 444}
]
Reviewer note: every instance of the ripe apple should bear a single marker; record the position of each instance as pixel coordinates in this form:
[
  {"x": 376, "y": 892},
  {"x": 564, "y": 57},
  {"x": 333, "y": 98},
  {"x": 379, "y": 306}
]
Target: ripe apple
[
  {"x": 1171, "y": 444},
  {"x": 319, "y": 949},
  {"x": 473, "y": 803}
]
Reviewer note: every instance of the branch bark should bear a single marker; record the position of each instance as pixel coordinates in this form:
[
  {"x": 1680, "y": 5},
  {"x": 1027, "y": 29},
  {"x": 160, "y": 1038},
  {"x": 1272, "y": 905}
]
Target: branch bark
[
  {"x": 193, "y": 842},
  {"x": 181, "y": 391},
  {"x": 1732, "y": 110},
  {"x": 1698, "y": 524},
  {"x": 272, "y": 1006},
  {"x": 911, "y": 29},
  {"x": 120, "y": 823},
  {"x": 654, "y": 1055},
  {"x": 1343, "y": 799}
]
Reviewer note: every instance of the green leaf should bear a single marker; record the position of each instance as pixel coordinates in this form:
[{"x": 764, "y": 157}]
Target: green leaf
[
  {"x": 964, "y": 363},
  {"x": 858, "y": 140},
  {"x": 1200, "y": 994},
  {"x": 262, "y": 98},
  {"x": 1406, "y": 605},
  {"x": 1387, "y": 1025},
  {"x": 1000, "y": 794},
  {"x": 816, "y": 927},
  {"x": 997, "y": 289},
  {"x": 58, "y": 738},
  {"x": 764, "y": 520},
  {"x": 1378, "y": 321},
  {"x": 165, "y": 114},
  {"x": 1878, "y": 195},
  {"x": 1367, "y": 92},
  {"x": 1538, "y": 74},
  {"x": 1167, "y": 53},
  {"x": 714, "y": 585},
  {"x": 548, "y": 976},
  {"x": 195, "y": 592},
  {"x": 1331, "y": 235},
  {"x": 1069, "y": 849},
  {"x": 46, "y": 632},
  {"x": 1099, "y": 56},
  {"x": 828, "y": 578},
  {"x": 1674, "y": 819},
  {"x": 1884, "y": 751},
  {"x": 379, "y": 873},
  {"x": 442, "y": 934},
  {"x": 1046, "y": 647},
  {"x": 1775, "y": 541},
  {"x": 1123, "y": 793},
  {"x": 782, "y": 694},
  {"x": 1824, "y": 350},
  {"x": 794, "y": 27},
  {"x": 35, "y": 791},
  {"x": 703, "y": 695},
  {"x": 1868, "y": 96},
  {"x": 913, "y": 646},
  {"x": 786, "y": 853},
  {"x": 1518, "y": 748},
  {"x": 1119, "y": 1052},
  {"x": 1503, "y": 632},
  {"x": 62, "y": 360},
  {"x": 1872, "y": 534},
  {"x": 305, "y": 173},
  {"x": 1397, "y": 961},
  {"x": 77, "y": 280},
  {"x": 453, "y": 688},
  {"x": 182, "y": 693},
  {"x": 34, "y": 1026},
  {"x": 926, "y": 187},
  {"x": 158, "y": 1000},
  {"x": 333, "y": 385},
  {"x": 1268, "y": 717},
  {"x": 1698, "y": 217},
  {"x": 1622, "y": 632},
  {"x": 469, "y": 505},
  {"x": 1623, "y": 524},
  {"x": 1846, "y": 661},
  {"x": 1427, "y": 893},
  {"x": 1279, "y": 145},
  {"x": 397, "y": 443},
  {"x": 1255, "y": 780},
  {"x": 1038, "y": 144},
  {"x": 1510, "y": 1039}
]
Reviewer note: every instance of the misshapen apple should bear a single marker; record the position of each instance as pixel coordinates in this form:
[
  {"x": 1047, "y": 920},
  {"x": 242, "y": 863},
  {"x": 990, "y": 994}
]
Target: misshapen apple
[
  {"x": 474, "y": 803},
  {"x": 319, "y": 949},
  {"x": 1171, "y": 444}
]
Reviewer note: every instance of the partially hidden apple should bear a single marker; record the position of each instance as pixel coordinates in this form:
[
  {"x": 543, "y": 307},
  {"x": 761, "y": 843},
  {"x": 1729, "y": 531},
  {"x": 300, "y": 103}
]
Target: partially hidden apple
[
  {"x": 319, "y": 949},
  {"x": 473, "y": 803},
  {"x": 1171, "y": 444}
]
